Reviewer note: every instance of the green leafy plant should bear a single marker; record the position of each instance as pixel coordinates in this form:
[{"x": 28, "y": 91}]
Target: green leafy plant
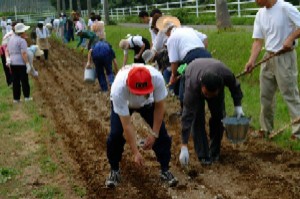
[{"x": 6, "y": 174}]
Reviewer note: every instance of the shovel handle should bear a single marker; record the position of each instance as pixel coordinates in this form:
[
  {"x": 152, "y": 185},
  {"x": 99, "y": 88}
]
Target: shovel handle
[
  {"x": 263, "y": 60},
  {"x": 295, "y": 121},
  {"x": 169, "y": 84}
]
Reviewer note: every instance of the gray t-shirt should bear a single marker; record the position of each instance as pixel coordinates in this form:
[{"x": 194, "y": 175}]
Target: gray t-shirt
[{"x": 15, "y": 47}]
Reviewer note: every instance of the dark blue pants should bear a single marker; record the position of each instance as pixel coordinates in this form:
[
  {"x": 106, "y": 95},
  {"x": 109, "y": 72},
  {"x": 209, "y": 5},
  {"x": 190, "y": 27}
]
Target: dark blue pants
[
  {"x": 216, "y": 107},
  {"x": 116, "y": 141},
  {"x": 105, "y": 63}
]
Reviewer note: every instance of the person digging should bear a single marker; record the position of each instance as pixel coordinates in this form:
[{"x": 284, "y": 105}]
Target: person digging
[{"x": 138, "y": 88}]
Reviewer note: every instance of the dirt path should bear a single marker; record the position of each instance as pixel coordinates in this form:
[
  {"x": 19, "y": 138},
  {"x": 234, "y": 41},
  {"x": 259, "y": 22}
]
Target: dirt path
[{"x": 81, "y": 113}]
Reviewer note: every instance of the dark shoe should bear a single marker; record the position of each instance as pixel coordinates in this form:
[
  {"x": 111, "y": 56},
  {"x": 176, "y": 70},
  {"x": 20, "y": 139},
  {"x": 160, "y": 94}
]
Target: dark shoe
[
  {"x": 259, "y": 134},
  {"x": 295, "y": 138},
  {"x": 205, "y": 161},
  {"x": 169, "y": 178},
  {"x": 113, "y": 179},
  {"x": 215, "y": 159}
]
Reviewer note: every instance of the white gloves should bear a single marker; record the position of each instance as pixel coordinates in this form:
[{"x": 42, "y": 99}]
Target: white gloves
[
  {"x": 28, "y": 68},
  {"x": 184, "y": 156},
  {"x": 239, "y": 111},
  {"x": 136, "y": 56},
  {"x": 8, "y": 61}
]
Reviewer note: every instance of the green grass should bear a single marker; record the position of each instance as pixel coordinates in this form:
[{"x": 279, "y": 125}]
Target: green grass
[{"x": 17, "y": 160}]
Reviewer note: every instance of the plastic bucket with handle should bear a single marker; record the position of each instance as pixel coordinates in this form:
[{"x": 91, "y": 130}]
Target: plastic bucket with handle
[{"x": 89, "y": 75}]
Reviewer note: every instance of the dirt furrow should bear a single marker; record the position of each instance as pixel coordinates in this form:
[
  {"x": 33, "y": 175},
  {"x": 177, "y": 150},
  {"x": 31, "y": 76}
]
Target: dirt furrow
[{"x": 255, "y": 169}]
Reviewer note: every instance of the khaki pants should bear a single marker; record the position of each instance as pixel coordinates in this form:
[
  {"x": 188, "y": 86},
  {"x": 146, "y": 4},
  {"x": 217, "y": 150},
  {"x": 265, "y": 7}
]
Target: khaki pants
[{"x": 279, "y": 72}]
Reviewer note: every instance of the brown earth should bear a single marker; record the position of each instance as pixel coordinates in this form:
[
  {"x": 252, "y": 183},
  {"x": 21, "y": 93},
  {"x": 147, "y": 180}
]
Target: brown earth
[{"x": 255, "y": 169}]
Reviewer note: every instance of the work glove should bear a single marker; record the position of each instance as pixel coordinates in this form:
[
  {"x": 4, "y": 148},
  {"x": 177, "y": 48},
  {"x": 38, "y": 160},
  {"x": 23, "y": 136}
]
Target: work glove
[
  {"x": 184, "y": 156},
  {"x": 28, "y": 68},
  {"x": 8, "y": 62},
  {"x": 239, "y": 111}
]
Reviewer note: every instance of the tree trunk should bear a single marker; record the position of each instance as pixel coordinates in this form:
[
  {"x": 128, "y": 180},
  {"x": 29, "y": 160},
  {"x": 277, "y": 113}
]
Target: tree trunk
[
  {"x": 64, "y": 6},
  {"x": 58, "y": 8},
  {"x": 71, "y": 5},
  {"x": 89, "y": 6},
  {"x": 106, "y": 11},
  {"x": 78, "y": 6},
  {"x": 222, "y": 15}
]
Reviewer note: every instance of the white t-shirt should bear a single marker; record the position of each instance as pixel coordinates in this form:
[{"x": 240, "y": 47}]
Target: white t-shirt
[
  {"x": 56, "y": 23},
  {"x": 160, "y": 41},
  {"x": 275, "y": 24},
  {"x": 90, "y": 23},
  {"x": 123, "y": 99},
  {"x": 3, "y": 24},
  {"x": 138, "y": 41},
  {"x": 182, "y": 40},
  {"x": 152, "y": 33}
]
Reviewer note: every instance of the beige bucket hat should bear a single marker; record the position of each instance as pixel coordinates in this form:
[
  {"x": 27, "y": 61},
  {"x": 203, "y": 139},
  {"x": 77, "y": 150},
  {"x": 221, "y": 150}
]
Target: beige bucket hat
[{"x": 165, "y": 22}]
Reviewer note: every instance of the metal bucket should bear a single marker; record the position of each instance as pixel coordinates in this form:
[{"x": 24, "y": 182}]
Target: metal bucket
[
  {"x": 89, "y": 75},
  {"x": 236, "y": 129}
]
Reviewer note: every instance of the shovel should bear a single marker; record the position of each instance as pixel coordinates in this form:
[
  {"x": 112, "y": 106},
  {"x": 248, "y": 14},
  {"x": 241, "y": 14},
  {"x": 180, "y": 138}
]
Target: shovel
[
  {"x": 264, "y": 60},
  {"x": 295, "y": 121}
]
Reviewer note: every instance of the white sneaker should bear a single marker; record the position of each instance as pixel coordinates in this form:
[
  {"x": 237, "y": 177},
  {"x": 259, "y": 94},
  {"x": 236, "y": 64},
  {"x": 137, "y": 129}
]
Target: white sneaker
[
  {"x": 16, "y": 101},
  {"x": 28, "y": 99}
]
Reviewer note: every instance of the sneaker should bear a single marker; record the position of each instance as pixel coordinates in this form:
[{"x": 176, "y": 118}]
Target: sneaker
[
  {"x": 215, "y": 159},
  {"x": 16, "y": 101},
  {"x": 113, "y": 179},
  {"x": 169, "y": 178},
  {"x": 28, "y": 99},
  {"x": 205, "y": 161}
]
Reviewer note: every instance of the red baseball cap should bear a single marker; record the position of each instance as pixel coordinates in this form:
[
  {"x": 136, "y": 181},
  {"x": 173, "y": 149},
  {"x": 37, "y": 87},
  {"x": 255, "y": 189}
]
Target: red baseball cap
[{"x": 139, "y": 81}]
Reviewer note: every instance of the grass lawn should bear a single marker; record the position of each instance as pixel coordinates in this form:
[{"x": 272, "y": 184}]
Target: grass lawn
[{"x": 29, "y": 165}]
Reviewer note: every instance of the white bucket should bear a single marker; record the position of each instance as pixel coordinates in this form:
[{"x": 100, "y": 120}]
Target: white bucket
[{"x": 89, "y": 75}]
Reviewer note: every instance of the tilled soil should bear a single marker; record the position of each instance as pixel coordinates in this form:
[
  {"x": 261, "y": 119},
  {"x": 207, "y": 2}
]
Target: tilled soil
[{"x": 255, "y": 169}]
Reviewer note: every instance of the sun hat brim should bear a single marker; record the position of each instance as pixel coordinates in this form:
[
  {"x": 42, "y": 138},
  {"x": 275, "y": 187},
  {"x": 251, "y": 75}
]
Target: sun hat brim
[
  {"x": 24, "y": 29},
  {"x": 165, "y": 21}
]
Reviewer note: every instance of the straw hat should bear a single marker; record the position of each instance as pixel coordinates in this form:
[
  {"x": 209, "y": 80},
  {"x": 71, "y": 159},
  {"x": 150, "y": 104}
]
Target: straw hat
[
  {"x": 20, "y": 28},
  {"x": 148, "y": 55},
  {"x": 165, "y": 22}
]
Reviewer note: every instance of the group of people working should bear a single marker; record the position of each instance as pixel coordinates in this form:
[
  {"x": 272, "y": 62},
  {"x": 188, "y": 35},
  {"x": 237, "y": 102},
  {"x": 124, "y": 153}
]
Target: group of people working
[
  {"x": 182, "y": 59},
  {"x": 141, "y": 88}
]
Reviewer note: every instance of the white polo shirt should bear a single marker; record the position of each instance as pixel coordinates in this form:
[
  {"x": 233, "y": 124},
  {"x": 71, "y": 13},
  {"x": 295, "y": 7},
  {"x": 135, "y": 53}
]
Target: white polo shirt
[
  {"x": 123, "y": 99},
  {"x": 138, "y": 41},
  {"x": 182, "y": 40},
  {"x": 275, "y": 24}
]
